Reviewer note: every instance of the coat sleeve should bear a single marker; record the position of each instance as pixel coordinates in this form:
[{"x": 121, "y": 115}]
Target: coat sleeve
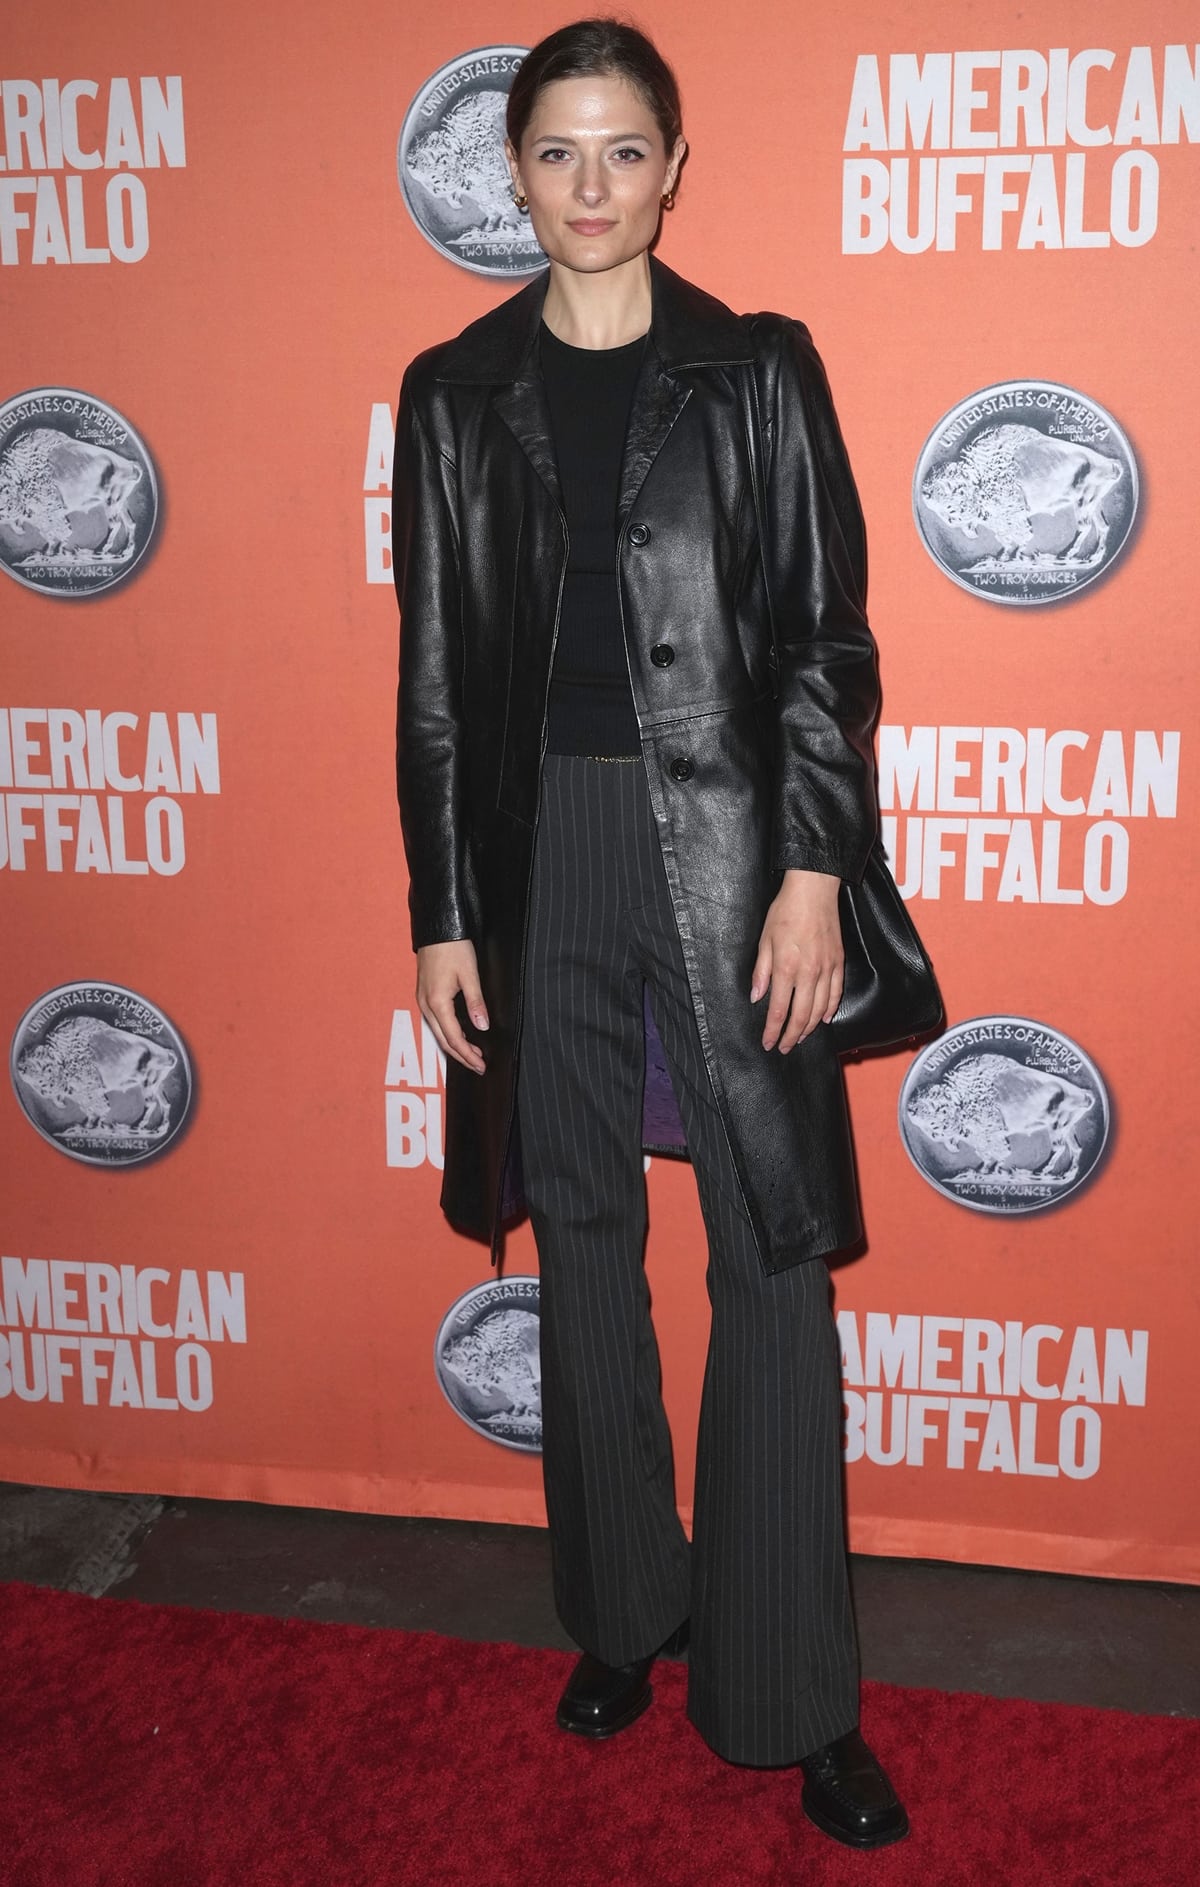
[
  {"x": 826, "y": 809},
  {"x": 429, "y": 721}
]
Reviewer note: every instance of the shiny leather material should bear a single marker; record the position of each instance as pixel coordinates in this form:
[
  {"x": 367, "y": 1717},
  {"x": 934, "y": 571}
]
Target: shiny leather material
[
  {"x": 480, "y": 549},
  {"x": 601, "y": 1699},
  {"x": 889, "y": 991},
  {"x": 847, "y": 1795}
]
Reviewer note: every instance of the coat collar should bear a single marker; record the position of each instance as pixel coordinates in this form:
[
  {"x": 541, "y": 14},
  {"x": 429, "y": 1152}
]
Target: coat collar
[{"x": 688, "y": 328}]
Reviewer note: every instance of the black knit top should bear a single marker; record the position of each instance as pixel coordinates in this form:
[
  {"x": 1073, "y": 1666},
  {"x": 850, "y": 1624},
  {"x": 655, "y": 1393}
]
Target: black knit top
[{"x": 589, "y": 391}]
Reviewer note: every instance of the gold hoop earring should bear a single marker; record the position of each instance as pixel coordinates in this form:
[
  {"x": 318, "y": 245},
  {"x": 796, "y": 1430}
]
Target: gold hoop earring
[
  {"x": 521, "y": 201},
  {"x": 667, "y": 199}
]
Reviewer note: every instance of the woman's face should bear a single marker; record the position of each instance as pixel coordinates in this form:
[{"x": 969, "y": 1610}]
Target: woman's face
[{"x": 593, "y": 165}]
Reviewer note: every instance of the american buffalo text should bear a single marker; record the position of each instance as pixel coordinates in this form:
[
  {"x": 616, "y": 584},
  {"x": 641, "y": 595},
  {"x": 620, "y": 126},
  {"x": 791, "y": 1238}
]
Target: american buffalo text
[
  {"x": 60, "y": 132},
  {"x": 1004, "y": 120},
  {"x": 959, "y": 1392},
  {"x": 91, "y": 761},
  {"x": 118, "y": 1336},
  {"x": 1029, "y": 815}
]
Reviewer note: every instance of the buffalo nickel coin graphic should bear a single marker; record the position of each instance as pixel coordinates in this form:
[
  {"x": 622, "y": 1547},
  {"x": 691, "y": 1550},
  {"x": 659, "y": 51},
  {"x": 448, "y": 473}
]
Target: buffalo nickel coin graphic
[
  {"x": 1026, "y": 492},
  {"x": 78, "y": 494},
  {"x": 101, "y": 1073},
  {"x": 453, "y": 172},
  {"x": 1004, "y": 1115},
  {"x": 487, "y": 1362}
]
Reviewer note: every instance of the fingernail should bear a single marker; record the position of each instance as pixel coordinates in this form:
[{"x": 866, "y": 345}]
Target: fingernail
[{"x": 479, "y": 1020}]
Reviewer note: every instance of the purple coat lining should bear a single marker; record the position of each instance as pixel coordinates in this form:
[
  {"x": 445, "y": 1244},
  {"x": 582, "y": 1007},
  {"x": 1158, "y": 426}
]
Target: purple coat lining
[{"x": 662, "y": 1124}]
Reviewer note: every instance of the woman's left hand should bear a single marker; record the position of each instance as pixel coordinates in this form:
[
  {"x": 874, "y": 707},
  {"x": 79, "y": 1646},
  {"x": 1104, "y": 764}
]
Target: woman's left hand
[{"x": 800, "y": 958}]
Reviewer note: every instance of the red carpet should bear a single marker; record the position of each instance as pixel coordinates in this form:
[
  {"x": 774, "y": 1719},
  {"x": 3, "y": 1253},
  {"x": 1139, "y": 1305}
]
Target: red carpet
[{"x": 150, "y": 1746}]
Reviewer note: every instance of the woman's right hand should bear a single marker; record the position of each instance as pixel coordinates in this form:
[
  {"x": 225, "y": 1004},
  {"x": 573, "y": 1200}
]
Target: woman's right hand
[{"x": 442, "y": 970}]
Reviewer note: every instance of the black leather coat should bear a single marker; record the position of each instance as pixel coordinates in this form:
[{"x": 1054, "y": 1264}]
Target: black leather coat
[{"x": 746, "y": 779}]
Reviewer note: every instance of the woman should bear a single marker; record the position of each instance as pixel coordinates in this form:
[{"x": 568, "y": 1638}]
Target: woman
[{"x": 626, "y": 817}]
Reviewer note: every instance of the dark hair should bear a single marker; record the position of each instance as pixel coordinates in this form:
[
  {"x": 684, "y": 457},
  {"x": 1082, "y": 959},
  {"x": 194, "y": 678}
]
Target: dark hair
[{"x": 591, "y": 49}]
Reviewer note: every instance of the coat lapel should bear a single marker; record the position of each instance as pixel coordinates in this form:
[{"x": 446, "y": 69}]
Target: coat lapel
[
  {"x": 658, "y": 400},
  {"x": 525, "y": 410},
  {"x": 688, "y": 328}
]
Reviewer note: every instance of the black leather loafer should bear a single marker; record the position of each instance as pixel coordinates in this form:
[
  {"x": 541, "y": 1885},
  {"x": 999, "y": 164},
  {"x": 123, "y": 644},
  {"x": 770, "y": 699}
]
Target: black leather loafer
[
  {"x": 601, "y": 1699},
  {"x": 848, "y": 1796}
]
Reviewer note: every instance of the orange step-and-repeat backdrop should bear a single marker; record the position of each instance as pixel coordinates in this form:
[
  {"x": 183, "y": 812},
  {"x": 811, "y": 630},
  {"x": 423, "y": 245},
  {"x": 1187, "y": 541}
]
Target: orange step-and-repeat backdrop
[{"x": 222, "y": 237}]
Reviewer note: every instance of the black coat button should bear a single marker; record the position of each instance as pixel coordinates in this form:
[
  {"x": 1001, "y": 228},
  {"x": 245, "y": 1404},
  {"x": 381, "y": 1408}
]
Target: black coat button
[
  {"x": 662, "y": 655},
  {"x": 639, "y": 533},
  {"x": 682, "y": 767}
]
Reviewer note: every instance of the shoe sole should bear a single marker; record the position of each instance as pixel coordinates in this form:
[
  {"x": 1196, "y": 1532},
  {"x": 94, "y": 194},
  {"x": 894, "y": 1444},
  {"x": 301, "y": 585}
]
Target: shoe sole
[
  {"x": 608, "y": 1729},
  {"x": 844, "y": 1835}
]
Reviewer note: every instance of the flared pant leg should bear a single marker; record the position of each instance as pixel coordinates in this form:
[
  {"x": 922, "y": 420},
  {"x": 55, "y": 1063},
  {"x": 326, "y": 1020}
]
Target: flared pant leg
[
  {"x": 773, "y": 1666},
  {"x": 620, "y": 1556}
]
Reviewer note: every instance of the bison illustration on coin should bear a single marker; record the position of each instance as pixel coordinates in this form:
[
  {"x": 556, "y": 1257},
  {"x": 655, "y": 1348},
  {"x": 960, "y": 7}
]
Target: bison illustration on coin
[
  {"x": 1008, "y": 476},
  {"x": 487, "y": 1359},
  {"x": 1026, "y": 492},
  {"x": 85, "y": 1063},
  {"x": 78, "y": 494},
  {"x": 48, "y": 479},
  {"x": 101, "y": 1073},
  {"x": 464, "y": 157},
  {"x": 452, "y": 169},
  {"x": 1011, "y": 1119},
  {"x": 1004, "y": 1115}
]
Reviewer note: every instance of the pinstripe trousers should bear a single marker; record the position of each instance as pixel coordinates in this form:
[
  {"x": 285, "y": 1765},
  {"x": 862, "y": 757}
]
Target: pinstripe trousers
[{"x": 773, "y": 1660}]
